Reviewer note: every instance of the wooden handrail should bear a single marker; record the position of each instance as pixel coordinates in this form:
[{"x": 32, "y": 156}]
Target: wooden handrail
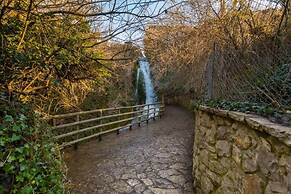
[
  {"x": 93, "y": 127},
  {"x": 91, "y": 136},
  {"x": 98, "y": 110},
  {"x": 135, "y": 117},
  {"x": 96, "y": 119}
]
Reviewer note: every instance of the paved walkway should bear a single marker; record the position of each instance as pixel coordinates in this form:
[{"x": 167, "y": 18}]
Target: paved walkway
[{"x": 156, "y": 158}]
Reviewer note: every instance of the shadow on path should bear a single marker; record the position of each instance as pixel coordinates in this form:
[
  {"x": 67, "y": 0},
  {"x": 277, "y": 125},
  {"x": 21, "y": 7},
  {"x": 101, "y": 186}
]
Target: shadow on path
[{"x": 156, "y": 158}]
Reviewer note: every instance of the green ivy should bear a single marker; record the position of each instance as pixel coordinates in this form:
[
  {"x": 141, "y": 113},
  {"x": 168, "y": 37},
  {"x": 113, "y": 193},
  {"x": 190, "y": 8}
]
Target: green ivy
[
  {"x": 29, "y": 161},
  {"x": 141, "y": 96},
  {"x": 276, "y": 84},
  {"x": 264, "y": 110}
]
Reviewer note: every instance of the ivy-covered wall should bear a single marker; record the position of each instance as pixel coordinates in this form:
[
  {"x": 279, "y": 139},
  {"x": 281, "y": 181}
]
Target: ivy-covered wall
[{"x": 240, "y": 153}]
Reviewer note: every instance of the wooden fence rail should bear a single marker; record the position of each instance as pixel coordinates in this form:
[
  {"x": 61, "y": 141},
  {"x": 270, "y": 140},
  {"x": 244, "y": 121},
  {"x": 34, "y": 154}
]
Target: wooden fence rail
[{"x": 72, "y": 128}]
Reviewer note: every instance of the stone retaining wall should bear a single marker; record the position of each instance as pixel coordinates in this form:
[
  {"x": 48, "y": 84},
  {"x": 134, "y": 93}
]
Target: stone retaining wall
[{"x": 240, "y": 153}]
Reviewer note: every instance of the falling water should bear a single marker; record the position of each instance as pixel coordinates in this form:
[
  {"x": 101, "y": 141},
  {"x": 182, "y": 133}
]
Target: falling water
[
  {"x": 151, "y": 110},
  {"x": 144, "y": 68},
  {"x": 149, "y": 89},
  {"x": 136, "y": 84}
]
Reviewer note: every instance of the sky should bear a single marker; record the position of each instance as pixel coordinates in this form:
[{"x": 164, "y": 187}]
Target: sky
[{"x": 126, "y": 26}]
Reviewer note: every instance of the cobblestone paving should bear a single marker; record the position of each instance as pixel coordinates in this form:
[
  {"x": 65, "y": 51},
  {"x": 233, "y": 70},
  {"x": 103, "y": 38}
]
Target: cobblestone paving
[{"x": 153, "y": 159}]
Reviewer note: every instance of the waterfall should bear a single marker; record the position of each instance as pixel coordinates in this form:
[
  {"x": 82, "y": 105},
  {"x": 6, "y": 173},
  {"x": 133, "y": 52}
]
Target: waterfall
[
  {"x": 136, "y": 84},
  {"x": 144, "y": 68}
]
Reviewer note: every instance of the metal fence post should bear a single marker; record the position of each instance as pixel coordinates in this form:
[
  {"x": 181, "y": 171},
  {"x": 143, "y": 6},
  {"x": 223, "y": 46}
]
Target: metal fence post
[{"x": 209, "y": 73}]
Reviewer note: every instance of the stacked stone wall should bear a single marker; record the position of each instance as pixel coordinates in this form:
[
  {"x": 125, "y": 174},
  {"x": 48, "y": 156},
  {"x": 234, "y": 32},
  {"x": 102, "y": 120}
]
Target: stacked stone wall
[{"x": 240, "y": 153}]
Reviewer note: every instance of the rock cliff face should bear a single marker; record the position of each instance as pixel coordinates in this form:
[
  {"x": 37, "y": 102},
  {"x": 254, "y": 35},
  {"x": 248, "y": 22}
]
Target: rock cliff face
[{"x": 240, "y": 153}]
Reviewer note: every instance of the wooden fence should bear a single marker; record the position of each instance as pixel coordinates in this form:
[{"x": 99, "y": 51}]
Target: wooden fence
[{"x": 72, "y": 128}]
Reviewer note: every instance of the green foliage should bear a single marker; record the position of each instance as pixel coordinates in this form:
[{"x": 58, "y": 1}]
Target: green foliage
[
  {"x": 140, "y": 87},
  {"x": 30, "y": 161},
  {"x": 277, "y": 86},
  {"x": 63, "y": 53},
  {"x": 43, "y": 57},
  {"x": 264, "y": 110},
  {"x": 281, "y": 81},
  {"x": 141, "y": 96}
]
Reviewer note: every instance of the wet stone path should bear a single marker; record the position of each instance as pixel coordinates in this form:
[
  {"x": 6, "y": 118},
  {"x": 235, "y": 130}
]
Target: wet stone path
[{"x": 153, "y": 159}]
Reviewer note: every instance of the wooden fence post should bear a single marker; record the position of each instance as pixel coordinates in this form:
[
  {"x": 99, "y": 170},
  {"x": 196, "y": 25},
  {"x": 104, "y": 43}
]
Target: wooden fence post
[
  {"x": 77, "y": 127},
  {"x": 101, "y": 129},
  {"x": 80, "y": 132},
  {"x": 132, "y": 115},
  {"x": 154, "y": 118},
  {"x": 117, "y": 131},
  {"x": 160, "y": 110},
  {"x": 139, "y": 116},
  {"x": 148, "y": 114},
  {"x": 54, "y": 122}
]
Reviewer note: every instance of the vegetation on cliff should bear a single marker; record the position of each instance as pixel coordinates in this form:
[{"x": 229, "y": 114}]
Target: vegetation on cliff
[
  {"x": 233, "y": 51},
  {"x": 53, "y": 59}
]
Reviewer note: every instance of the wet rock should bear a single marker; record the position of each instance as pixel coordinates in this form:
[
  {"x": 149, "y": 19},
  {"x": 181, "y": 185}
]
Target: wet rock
[
  {"x": 210, "y": 149},
  {"x": 215, "y": 179},
  {"x": 132, "y": 156},
  {"x": 204, "y": 157},
  {"x": 178, "y": 179},
  {"x": 129, "y": 175},
  {"x": 147, "y": 181},
  {"x": 243, "y": 139},
  {"x": 188, "y": 187},
  {"x": 285, "y": 161},
  {"x": 121, "y": 186},
  {"x": 139, "y": 188},
  {"x": 288, "y": 180},
  {"x": 162, "y": 155},
  {"x": 217, "y": 167},
  {"x": 210, "y": 134},
  {"x": 141, "y": 176},
  {"x": 163, "y": 183},
  {"x": 276, "y": 187},
  {"x": 249, "y": 162},
  {"x": 222, "y": 132},
  {"x": 236, "y": 154},
  {"x": 178, "y": 166},
  {"x": 227, "y": 186},
  {"x": 253, "y": 184},
  {"x": 223, "y": 148},
  {"x": 133, "y": 182},
  {"x": 267, "y": 162},
  {"x": 167, "y": 173},
  {"x": 164, "y": 191},
  {"x": 148, "y": 192},
  {"x": 246, "y": 158},
  {"x": 205, "y": 120},
  {"x": 206, "y": 185},
  {"x": 106, "y": 178},
  {"x": 264, "y": 145}
]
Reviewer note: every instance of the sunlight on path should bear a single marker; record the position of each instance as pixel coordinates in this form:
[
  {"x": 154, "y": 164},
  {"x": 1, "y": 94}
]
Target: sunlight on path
[{"x": 156, "y": 158}]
